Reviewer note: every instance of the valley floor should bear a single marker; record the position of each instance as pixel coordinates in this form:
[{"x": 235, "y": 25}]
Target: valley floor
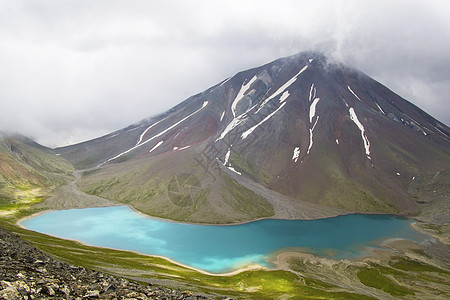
[{"x": 407, "y": 270}]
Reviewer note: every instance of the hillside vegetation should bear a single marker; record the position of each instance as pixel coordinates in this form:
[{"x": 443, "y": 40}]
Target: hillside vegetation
[{"x": 28, "y": 175}]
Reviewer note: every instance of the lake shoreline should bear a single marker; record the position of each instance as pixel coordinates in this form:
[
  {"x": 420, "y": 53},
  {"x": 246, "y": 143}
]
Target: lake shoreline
[
  {"x": 218, "y": 224},
  {"x": 251, "y": 266}
]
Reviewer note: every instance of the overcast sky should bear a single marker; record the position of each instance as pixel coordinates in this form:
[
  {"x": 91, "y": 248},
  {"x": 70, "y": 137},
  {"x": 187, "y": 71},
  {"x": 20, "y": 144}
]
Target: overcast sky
[{"x": 75, "y": 70}]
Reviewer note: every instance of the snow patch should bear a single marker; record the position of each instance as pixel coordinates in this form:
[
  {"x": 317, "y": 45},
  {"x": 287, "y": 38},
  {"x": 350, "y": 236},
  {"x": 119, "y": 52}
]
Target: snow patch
[
  {"x": 337, "y": 141},
  {"x": 354, "y": 118},
  {"x": 114, "y": 135},
  {"x": 345, "y": 102},
  {"x": 155, "y": 136},
  {"x": 235, "y": 122},
  {"x": 282, "y": 88},
  {"x": 296, "y": 154},
  {"x": 414, "y": 177},
  {"x": 145, "y": 131},
  {"x": 227, "y": 156},
  {"x": 311, "y": 96},
  {"x": 225, "y": 81},
  {"x": 58, "y": 154},
  {"x": 247, "y": 132},
  {"x": 179, "y": 133},
  {"x": 398, "y": 174},
  {"x": 232, "y": 169},
  {"x": 221, "y": 117},
  {"x": 379, "y": 107},
  {"x": 134, "y": 128},
  {"x": 440, "y": 130},
  {"x": 284, "y": 96},
  {"x": 312, "y": 114},
  {"x": 240, "y": 95},
  {"x": 239, "y": 119},
  {"x": 311, "y": 60},
  {"x": 183, "y": 148},
  {"x": 311, "y": 130},
  {"x": 350, "y": 89},
  {"x": 156, "y": 146},
  {"x": 175, "y": 148},
  {"x": 312, "y": 109}
]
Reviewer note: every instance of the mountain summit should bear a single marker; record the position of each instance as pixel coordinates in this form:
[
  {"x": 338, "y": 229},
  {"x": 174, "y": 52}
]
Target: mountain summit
[{"x": 300, "y": 137}]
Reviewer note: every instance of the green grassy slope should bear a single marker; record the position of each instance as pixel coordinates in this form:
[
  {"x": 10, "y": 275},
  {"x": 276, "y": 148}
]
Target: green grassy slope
[
  {"x": 176, "y": 187},
  {"x": 27, "y": 175}
]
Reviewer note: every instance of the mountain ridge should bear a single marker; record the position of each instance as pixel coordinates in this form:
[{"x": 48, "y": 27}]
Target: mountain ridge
[{"x": 312, "y": 130}]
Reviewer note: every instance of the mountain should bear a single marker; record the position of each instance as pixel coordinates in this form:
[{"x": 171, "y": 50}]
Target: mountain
[
  {"x": 28, "y": 172},
  {"x": 300, "y": 137}
]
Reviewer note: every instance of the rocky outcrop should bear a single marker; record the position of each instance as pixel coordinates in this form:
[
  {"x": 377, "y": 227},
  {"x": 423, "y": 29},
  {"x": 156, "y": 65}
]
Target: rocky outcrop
[{"x": 28, "y": 273}]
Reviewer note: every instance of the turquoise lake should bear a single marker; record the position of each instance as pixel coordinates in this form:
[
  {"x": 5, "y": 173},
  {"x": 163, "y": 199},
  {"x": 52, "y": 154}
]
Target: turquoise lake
[{"x": 220, "y": 249}]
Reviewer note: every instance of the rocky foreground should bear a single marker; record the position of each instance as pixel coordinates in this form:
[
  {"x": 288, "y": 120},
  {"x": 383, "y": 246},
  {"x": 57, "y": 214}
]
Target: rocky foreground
[{"x": 28, "y": 273}]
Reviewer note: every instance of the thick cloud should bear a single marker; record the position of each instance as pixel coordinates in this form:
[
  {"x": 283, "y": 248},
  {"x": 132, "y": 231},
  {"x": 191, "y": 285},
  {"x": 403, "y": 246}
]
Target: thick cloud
[{"x": 73, "y": 70}]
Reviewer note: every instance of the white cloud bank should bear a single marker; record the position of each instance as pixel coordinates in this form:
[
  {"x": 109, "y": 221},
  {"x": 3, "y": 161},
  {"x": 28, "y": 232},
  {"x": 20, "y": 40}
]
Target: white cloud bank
[{"x": 73, "y": 70}]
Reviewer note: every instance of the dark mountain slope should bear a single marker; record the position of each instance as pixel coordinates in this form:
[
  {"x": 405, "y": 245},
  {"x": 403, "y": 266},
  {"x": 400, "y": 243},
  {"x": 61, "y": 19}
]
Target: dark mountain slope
[{"x": 302, "y": 132}]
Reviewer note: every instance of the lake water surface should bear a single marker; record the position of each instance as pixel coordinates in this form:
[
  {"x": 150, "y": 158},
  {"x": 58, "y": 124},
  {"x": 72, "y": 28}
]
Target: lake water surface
[{"x": 222, "y": 248}]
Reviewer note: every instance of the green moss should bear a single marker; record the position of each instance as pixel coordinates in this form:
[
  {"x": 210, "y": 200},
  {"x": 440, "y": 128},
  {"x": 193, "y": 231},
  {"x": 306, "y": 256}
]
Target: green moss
[
  {"x": 414, "y": 266},
  {"x": 241, "y": 163},
  {"x": 248, "y": 201},
  {"x": 373, "y": 278},
  {"x": 349, "y": 195},
  {"x": 387, "y": 270},
  {"x": 266, "y": 178}
]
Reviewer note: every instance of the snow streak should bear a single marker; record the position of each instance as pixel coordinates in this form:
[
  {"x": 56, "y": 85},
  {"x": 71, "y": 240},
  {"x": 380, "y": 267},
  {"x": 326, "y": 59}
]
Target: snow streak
[
  {"x": 227, "y": 156},
  {"x": 235, "y": 122},
  {"x": 157, "y": 135},
  {"x": 239, "y": 119},
  {"x": 247, "y": 132},
  {"x": 311, "y": 95},
  {"x": 156, "y": 146},
  {"x": 284, "y": 96},
  {"x": 311, "y": 130},
  {"x": 349, "y": 88},
  {"x": 296, "y": 154},
  {"x": 366, "y": 142},
  {"x": 282, "y": 88},
  {"x": 232, "y": 169},
  {"x": 221, "y": 117},
  {"x": 111, "y": 136},
  {"x": 145, "y": 131},
  {"x": 345, "y": 102},
  {"x": 183, "y": 148},
  {"x": 312, "y": 114},
  {"x": 225, "y": 81},
  {"x": 379, "y": 107},
  {"x": 240, "y": 95},
  {"x": 312, "y": 109}
]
